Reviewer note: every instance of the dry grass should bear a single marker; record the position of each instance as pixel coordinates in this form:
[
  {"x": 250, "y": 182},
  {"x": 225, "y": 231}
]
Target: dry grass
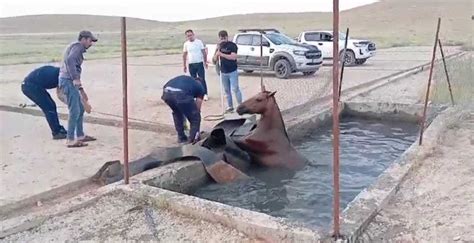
[
  {"x": 461, "y": 77},
  {"x": 390, "y": 23}
]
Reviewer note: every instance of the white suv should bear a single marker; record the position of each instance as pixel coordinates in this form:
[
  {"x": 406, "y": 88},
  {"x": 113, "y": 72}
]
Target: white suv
[
  {"x": 281, "y": 54},
  {"x": 358, "y": 51}
]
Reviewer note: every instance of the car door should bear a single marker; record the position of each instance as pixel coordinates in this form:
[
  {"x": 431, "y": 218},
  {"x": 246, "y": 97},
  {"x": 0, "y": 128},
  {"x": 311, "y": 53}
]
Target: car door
[
  {"x": 326, "y": 44},
  {"x": 254, "y": 56},
  {"x": 244, "y": 44}
]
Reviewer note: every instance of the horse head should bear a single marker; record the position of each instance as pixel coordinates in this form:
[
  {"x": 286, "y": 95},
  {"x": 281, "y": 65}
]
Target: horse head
[{"x": 257, "y": 104}]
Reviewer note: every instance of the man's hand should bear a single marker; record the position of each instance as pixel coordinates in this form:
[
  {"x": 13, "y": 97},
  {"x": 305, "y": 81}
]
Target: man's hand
[
  {"x": 77, "y": 82},
  {"x": 206, "y": 64},
  {"x": 185, "y": 69},
  {"x": 87, "y": 106}
]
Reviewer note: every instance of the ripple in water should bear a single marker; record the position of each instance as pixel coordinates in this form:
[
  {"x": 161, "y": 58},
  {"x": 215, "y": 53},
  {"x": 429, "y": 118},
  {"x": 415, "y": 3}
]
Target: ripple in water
[{"x": 367, "y": 149}]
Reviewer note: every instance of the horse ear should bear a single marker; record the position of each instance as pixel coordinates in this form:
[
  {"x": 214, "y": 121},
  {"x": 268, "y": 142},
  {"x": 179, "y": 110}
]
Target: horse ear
[{"x": 272, "y": 94}]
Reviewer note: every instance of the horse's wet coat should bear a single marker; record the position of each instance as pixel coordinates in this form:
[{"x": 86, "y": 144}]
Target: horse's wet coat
[{"x": 268, "y": 143}]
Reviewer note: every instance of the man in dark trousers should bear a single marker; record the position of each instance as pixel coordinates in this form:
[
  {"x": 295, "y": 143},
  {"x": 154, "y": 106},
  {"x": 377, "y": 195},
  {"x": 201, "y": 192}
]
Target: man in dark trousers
[
  {"x": 35, "y": 88},
  {"x": 179, "y": 94}
]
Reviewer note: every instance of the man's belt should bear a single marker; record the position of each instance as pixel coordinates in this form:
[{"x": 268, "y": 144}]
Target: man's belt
[{"x": 171, "y": 89}]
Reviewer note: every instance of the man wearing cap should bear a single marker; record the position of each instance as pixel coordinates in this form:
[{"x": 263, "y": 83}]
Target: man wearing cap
[
  {"x": 179, "y": 94},
  {"x": 35, "y": 87},
  {"x": 71, "y": 90}
]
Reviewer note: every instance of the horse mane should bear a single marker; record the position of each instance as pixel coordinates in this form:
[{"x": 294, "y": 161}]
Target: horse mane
[{"x": 281, "y": 117}]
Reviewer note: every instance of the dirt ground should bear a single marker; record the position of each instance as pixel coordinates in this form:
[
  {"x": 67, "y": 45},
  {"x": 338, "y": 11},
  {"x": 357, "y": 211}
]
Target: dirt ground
[
  {"x": 147, "y": 75},
  {"x": 436, "y": 201},
  {"x": 116, "y": 219},
  {"x": 32, "y": 163}
]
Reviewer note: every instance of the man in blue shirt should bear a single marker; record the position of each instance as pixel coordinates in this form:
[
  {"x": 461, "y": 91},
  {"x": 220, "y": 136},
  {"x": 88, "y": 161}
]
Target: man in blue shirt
[
  {"x": 35, "y": 87},
  {"x": 179, "y": 94}
]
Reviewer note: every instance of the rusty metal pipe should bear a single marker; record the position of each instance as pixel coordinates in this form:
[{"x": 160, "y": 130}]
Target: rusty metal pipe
[
  {"x": 446, "y": 71},
  {"x": 262, "y": 86},
  {"x": 124, "y": 101},
  {"x": 335, "y": 117},
  {"x": 343, "y": 62},
  {"x": 423, "y": 119}
]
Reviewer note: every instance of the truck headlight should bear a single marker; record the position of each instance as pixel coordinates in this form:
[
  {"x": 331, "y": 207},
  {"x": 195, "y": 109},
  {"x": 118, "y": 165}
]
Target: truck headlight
[{"x": 299, "y": 52}]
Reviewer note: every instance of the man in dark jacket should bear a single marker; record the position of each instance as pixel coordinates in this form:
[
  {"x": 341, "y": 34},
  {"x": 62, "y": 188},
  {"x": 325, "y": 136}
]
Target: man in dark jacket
[
  {"x": 184, "y": 95},
  {"x": 35, "y": 87}
]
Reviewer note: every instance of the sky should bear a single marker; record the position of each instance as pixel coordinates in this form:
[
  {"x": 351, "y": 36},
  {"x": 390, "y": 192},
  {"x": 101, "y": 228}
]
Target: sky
[{"x": 168, "y": 10}]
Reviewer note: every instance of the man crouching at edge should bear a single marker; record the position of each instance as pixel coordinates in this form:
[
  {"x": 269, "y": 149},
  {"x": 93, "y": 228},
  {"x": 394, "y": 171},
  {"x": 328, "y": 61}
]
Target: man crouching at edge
[{"x": 179, "y": 94}]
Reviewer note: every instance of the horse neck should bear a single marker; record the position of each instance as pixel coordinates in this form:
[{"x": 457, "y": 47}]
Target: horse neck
[{"x": 272, "y": 118}]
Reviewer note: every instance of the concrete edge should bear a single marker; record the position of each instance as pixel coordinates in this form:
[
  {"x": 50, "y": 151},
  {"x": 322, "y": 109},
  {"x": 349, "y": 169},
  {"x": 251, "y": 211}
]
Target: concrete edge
[
  {"x": 8, "y": 209},
  {"x": 253, "y": 224},
  {"x": 352, "y": 92},
  {"x": 31, "y": 220},
  {"x": 391, "y": 111},
  {"x": 182, "y": 177},
  {"x": 142, "y": 126},
  {"x": 361, "y": 211}
]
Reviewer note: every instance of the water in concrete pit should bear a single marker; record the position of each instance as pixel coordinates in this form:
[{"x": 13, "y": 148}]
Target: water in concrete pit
[{"x": 367, "y": 149}]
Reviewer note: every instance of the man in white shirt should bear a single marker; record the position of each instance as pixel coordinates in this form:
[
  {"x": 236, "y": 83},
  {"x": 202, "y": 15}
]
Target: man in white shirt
[{"x": 195, "y": 58}]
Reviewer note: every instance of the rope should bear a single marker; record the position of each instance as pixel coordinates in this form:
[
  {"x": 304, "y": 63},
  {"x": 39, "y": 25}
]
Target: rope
[
  {"x": 214, "y": 117},
  {"x": 220, "y": 116}
]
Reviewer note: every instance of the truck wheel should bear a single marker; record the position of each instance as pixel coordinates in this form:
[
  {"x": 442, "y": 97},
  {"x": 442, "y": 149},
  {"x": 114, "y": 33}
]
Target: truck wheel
[
  {"x": 349, "y": 59},
  {"x": 248, "y": 71},
  {"x": 309, "y": 73},
  {"x": 361, "y": 61},
  {"x": 282, "y": 68}
]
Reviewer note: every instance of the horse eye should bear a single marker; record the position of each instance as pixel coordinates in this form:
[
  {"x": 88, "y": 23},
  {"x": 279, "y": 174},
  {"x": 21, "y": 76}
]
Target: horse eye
[{"x": 259, "y": 100}]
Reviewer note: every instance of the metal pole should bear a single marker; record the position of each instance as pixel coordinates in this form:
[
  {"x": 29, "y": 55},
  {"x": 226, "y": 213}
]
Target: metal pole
[
  {"x": 446, "y": 71},
  {"x": 429, "y": 83},
  {"x": 124, "y": 101},
  {"x": 335, "y": 115},
  {"x": 343, "y": 62},
  {"x": 262, "y": 87}
]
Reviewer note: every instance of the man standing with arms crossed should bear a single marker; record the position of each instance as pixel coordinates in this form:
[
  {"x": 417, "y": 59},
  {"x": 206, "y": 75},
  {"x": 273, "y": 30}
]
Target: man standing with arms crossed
[
  {"x": 71, "y": 91},
  {"x": 195, "y": 55}
]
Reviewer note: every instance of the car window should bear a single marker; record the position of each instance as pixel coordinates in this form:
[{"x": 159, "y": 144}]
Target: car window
[
  {"x": 244, "y": 40},
  {"x": 256, "y": 40},
  {"x": 279, "y": 39},
  {"x": 312, "y": 36},
  {"x": 326, "y": 37}
]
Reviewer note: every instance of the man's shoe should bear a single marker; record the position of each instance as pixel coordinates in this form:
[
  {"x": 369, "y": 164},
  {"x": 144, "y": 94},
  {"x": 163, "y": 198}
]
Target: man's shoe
[
  {"x": 59, "y": 135},
  {"x": 229, "y": 110},
  {"x": 183, "y": 140}
]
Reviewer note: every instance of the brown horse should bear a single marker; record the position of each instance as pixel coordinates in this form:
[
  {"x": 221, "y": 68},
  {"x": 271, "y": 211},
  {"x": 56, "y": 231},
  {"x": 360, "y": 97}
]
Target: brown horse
[{"x": 268, "y": 143}]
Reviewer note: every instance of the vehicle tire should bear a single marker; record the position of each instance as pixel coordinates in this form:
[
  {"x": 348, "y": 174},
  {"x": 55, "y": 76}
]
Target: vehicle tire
[
  {"x": 282, "y": 68},
  {"x": 361, "y": 61},
  {"x": 309, "y": 73},
  {"x": 349, "y": 59},
  {"x": 248, "y": 71}
]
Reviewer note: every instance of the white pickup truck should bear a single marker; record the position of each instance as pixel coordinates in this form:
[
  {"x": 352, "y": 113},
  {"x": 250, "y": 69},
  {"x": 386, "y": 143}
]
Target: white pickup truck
[
  {"x": 281, "y": 54},
  {"x": 357, "y": 53}
]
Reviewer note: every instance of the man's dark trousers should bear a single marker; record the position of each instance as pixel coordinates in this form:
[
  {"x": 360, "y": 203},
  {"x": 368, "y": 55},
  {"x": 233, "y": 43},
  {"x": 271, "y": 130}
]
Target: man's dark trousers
[
  {"x": 197, "y": 70},
  {"x": 42, "y": 98},
  {"x": 183, "y": 105}
]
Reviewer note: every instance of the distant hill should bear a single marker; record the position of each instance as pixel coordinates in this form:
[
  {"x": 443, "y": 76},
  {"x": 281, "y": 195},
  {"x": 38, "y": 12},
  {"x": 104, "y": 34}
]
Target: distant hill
[
  {"x": 388, "y": 22},
  {"x": 71, "y": 23}
]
